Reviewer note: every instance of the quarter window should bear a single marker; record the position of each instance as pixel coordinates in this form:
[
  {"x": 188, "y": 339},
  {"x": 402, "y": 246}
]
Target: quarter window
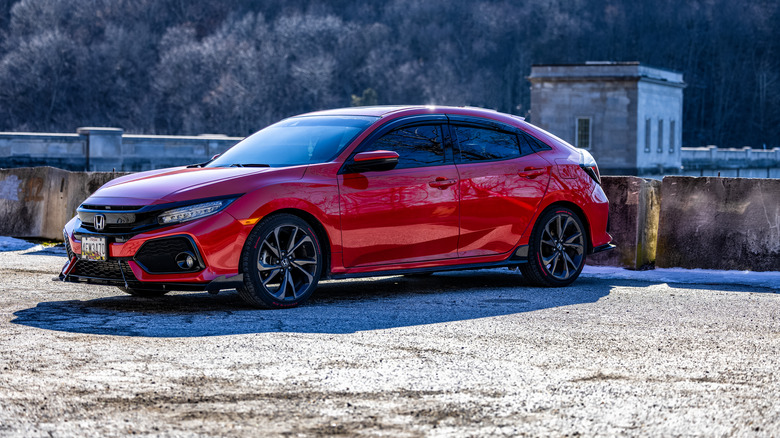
[
  {"x": 477, "y": 144},
  {"x": 530, "y": 144},
  {"x": 417, "y": 146}
]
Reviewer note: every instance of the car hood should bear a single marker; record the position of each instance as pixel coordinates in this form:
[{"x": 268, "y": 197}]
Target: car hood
[{"x": 185, "y": 184}]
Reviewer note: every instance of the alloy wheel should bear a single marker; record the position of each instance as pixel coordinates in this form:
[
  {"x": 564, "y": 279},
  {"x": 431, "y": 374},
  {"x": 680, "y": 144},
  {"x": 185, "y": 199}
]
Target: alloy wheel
[
  {"x": 287, "y": 262},
  {"x": 562, "y": 246}
]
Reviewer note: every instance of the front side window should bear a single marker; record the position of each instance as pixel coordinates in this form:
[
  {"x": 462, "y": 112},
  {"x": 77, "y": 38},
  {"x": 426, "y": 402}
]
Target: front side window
[
  {"x": 295, "y": 141},
  {"x": 478, "y": 144},
  {"x": 416, "y": 146}
]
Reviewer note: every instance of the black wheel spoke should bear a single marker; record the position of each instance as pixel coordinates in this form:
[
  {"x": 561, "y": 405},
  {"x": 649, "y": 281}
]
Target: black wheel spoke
[
  {"x": 304, "y": 239},
  {"x": 300, "y": 268},
  {"x": 570, "y": 240},
  {"x": 262, "y": 267},
  {"x": 271, "y": 276},
  {"x": 283, "y": 287},
  {"x": 556, "y": 257},
  {"x": 278, "y": 247},
  {"x": 291, "y": 242},
  {"x": 274, "y": 249}
]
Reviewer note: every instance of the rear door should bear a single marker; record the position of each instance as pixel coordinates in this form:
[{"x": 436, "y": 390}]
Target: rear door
[
  {"x": 407, "y": 214},
  {"x": 502, "y": 183}
]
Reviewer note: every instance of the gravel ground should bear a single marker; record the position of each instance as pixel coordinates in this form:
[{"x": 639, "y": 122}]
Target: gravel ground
[{"x": 457, "y": 354}]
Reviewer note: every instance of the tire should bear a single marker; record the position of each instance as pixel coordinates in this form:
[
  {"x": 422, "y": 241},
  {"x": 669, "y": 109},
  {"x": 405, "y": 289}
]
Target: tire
[
  {"x": 557, "y": 249},
  {"x": 281, "y": 261},
  {"x": 144, "y": 293}
]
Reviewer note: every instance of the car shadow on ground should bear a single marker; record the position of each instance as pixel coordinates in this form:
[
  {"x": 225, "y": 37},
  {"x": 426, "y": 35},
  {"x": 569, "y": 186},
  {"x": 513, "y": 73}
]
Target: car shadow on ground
[{"x": 337, "y": 307}]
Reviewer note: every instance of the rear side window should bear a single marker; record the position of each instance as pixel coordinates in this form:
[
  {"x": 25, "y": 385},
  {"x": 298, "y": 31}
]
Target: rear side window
[
  {"x": 479, "y": 144},
  {"x": 533, "y": 143},
  {"x": 417, "y": 146}
]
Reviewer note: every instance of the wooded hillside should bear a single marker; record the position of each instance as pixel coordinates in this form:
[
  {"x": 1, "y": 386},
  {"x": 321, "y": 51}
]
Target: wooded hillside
[{"x": 232, "y": 67}]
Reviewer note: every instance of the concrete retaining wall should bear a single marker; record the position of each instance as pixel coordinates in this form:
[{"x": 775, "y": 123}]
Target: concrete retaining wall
[
  {"x": 720, "y": 223},
  {"x": 634, "y": 208},
  {"x": 38, "y": 201},
  {"x": 710, "y": 223}
]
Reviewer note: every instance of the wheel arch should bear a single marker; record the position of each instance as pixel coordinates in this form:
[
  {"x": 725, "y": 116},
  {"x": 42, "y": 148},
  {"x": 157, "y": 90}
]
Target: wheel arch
[{"x": 319, "y": 229}]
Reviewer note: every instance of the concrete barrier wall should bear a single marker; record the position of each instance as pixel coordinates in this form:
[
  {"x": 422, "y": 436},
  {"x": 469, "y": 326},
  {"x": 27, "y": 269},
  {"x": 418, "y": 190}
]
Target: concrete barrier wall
[
  {"x": 731, "y": 162},
  {"x": 710, "y": 223},
  {"x": 38, "y": 201},
  {"x": 720, "y": 223},
  {"x": 108, "y": 149},
  {"x": 768, "y": 172},
  {"x": 714, "y": 157},
  {"x": 634, "y": 207}
]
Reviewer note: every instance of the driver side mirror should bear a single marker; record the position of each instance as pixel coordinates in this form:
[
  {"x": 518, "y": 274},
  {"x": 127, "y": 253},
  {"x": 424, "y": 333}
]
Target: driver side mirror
[{"x": 373, "y": 161}]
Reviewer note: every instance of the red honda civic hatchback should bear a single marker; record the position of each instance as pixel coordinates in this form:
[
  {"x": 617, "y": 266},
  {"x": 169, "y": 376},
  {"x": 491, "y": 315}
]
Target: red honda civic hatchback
[{"x": 344, "y": 193}]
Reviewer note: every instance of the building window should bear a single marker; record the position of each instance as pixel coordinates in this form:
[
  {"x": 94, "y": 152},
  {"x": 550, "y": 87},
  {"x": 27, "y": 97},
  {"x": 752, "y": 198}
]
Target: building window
[
  {"x": 583, "y": 133},
  {"x": 660, "y": 135},
  {"x": 647, "y": 135},
  {"x": 672, "y": 137}
]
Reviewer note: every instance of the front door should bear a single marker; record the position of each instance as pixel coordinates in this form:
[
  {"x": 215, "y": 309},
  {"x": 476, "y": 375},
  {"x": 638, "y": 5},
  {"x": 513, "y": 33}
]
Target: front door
[{"x": 407, "y": 214}]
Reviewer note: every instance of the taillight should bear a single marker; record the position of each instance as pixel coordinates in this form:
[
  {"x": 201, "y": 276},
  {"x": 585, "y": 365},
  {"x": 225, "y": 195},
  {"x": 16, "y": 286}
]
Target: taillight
[{"x": 588, "y": 164}]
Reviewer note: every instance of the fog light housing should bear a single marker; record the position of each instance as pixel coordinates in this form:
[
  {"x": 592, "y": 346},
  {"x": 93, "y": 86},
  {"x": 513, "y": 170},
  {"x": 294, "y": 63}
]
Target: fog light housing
[{"x": 185, "y": 260}]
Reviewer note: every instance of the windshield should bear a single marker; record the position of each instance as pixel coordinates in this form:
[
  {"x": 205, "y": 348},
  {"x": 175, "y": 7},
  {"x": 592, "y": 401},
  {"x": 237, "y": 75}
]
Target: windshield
[{"x": 295, "y": 141}]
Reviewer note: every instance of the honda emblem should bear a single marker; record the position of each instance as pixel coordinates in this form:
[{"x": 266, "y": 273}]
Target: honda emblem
[{"x": 100, "y": 222}]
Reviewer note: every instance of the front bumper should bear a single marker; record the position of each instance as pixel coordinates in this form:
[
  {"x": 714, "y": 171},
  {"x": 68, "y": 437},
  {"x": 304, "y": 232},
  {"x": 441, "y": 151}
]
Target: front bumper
[{"x": 148, "y": 260}]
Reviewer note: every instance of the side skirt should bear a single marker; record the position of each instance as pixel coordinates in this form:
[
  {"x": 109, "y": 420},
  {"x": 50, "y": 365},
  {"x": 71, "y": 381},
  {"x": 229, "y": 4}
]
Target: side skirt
[{"x": 502, "y": 264}]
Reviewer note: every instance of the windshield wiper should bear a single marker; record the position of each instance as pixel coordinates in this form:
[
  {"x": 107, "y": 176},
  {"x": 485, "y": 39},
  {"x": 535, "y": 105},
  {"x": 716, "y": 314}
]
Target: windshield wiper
[{"x": 249, "y": 165}]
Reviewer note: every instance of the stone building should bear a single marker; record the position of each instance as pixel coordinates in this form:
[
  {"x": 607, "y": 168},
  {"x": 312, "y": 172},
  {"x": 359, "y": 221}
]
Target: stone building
[{"x": 628, "y": 115}]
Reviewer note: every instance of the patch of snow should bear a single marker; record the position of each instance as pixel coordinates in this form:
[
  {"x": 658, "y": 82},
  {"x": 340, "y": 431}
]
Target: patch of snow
[
  {"x": 12, "y": 244},
  {"x": 688, "y": 276}
]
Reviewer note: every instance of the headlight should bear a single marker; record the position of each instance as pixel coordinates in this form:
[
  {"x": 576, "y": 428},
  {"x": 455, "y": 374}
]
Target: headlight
[{"x": 192, "y": 212}]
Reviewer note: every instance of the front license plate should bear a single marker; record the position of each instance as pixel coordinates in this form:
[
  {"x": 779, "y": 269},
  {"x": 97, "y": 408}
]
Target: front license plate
[{"x": 94, "y": 248}]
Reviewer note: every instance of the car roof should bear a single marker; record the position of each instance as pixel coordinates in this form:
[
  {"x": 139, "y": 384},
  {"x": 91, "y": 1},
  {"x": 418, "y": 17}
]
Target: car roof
[{"x": 388, "y": 110}]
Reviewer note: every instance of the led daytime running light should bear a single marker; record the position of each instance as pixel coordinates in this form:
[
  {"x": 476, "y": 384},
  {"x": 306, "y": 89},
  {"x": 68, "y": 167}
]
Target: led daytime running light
[{"x": 191, "y": 212}]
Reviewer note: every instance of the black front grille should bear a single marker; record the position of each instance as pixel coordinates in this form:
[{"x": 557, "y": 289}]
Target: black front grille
[
  {"x": 109, "y": 270},
  {"x": 159, "y": 256},
  {"x": 120, "y": 222},
  {"x": 111, "y": 207}
]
